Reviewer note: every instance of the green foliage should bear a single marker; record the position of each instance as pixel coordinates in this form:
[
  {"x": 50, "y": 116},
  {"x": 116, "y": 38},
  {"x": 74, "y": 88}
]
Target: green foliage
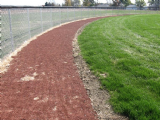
[
  {"x": 155, "y": 2},
  {"x": 140, "y": 3},
  {"x": 126, "y": 49},
  {"x": 126, "y": 2},
  {"x": 92, "y": 2},
  {"x": 49, "y": 4},
  {"x": 116, "y": 2},
  {"x": 86, "y": 3}
]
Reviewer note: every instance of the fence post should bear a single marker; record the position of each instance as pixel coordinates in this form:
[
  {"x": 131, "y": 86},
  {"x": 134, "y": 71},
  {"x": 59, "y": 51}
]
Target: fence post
[
  {"x": 10, "y": 26},
  {"x": 60, "y": 16},
  {"x": 29, "y": 29},
  {"x": 51, "y": 17},
  {"x": 101, "y": 12},
  {"x": 106, "y": 12},
  {"x": 0, "y": 36},
  {"x": 74, "y": 15},
  {"x": 94, "y": 13},
  {"x": 67, "y": 14},
  {"x": 97, "y": 12},
  {"x": 81, "y": 13},
  {"x": 41, "y": 19}
]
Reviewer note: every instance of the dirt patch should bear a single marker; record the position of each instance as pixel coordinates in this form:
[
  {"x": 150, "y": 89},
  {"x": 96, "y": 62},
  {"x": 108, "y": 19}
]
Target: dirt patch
[
  {"x": 28, "y": 78},
  {"x": 99, "y": 98}
]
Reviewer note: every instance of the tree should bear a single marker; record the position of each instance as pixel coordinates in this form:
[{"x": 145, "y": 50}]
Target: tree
[
  {"x": 140, "y": 3},
  {"x": 72, "y": 2},
  {"x": 92, "y": 2},
  {"x": 46, "y": 3},
  {"x": 67, "y": 2},
  {"x": 86, "y": 3},
  {"x": 50, "y": 4},
  {"x": 76, "y": 2},
  {"x": 89, "y": 3},
  {"x": 154, "y": 2},
  {"x": 126, "y": 2},
  {"x": 118, "y": 2},
  {"x": 151, "y": 2}
]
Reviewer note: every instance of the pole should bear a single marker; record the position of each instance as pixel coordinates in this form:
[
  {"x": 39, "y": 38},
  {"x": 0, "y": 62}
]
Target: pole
[
  {"x": 29, "y": 29},
  {"x": 41, "y": 20},
  {"x": 10, "y": 26}
]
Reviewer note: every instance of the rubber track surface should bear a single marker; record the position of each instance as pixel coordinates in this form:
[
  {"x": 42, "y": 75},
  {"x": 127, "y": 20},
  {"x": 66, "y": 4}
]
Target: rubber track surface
[{"x": 52, "y": 89}]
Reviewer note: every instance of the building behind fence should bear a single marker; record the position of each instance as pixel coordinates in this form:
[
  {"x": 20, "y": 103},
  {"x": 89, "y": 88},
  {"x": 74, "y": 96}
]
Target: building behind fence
[{"x": 19, "y": 24}]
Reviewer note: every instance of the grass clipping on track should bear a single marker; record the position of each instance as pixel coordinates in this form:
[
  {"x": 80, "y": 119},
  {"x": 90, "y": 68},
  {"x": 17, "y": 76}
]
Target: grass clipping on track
[{"x": 126, "y": 50}]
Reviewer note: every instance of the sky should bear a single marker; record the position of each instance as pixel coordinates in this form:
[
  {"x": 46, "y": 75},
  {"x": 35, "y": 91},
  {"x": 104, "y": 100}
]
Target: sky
[{"x": 37, "y": 2}]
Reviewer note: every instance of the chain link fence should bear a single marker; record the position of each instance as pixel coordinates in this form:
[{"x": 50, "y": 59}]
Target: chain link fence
[{"x": 20, "y": 24}]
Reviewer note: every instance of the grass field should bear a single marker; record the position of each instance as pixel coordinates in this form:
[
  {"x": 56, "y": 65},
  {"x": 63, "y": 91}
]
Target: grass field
[{"x": 124, "y": 52}]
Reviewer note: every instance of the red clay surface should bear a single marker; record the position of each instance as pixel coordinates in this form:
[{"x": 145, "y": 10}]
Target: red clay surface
[{"x": 54, "y": 90}]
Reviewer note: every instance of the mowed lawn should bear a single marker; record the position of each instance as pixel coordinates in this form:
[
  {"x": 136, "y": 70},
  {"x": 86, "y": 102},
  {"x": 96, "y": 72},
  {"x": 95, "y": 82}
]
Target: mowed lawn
[{"x": 124, "y": 52}]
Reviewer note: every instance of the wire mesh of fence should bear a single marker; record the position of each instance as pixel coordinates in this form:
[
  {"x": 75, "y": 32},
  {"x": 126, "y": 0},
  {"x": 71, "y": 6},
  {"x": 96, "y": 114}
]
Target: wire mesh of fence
[{"x": 19, "y": 24}]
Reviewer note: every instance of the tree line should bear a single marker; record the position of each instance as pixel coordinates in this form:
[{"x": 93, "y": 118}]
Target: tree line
[
  {"x": 117, "y": 3},
  {"x": 125, "y": 3},
  {"x": 74, "y": 3},
  {"x": 51, "y": 4}
]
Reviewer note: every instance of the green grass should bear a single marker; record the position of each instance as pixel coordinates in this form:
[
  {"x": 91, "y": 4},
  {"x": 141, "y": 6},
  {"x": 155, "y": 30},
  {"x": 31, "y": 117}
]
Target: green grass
[{"x": 127, "y": 50}]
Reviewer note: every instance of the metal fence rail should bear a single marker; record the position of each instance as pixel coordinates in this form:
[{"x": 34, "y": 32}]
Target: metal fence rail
[{"x": 19, "y": 24}]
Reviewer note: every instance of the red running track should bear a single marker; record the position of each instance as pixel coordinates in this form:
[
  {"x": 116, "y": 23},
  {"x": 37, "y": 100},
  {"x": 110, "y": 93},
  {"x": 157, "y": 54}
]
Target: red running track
[{"x": 42, "y": 82}]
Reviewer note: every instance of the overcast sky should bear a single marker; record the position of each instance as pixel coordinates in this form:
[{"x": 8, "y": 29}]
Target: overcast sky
[{"x": 37, "y": 2}]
